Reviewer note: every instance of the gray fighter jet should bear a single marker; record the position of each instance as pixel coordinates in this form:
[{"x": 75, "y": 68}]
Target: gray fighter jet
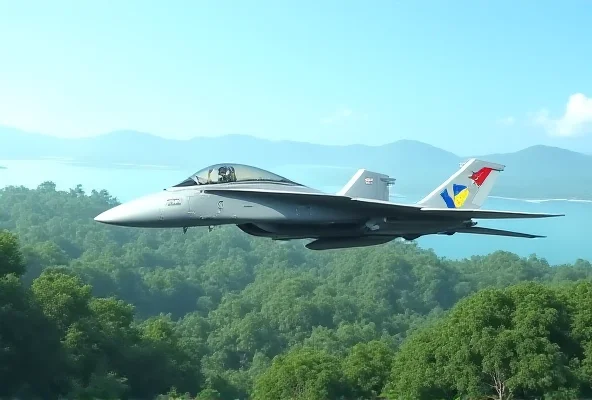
[{"x": 264, "y": 204}]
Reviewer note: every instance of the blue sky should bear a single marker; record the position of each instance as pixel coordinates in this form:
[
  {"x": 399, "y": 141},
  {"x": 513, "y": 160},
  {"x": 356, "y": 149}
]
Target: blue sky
[{"x": 471, "y": 77}]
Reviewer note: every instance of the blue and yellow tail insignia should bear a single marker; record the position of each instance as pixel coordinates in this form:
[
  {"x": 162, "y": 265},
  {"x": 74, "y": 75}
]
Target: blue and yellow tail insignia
[{"x": 460, "y": 192}]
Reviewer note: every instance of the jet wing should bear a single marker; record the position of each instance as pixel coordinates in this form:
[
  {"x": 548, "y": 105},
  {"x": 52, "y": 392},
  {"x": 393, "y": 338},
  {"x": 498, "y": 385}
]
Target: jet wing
[
  {"x": 483, "y": 214},
  {"x": 319, "y": 197},
  {"x": 497, "y": 232},
  {"x": 389, "y": 208},
  {"x": 456, "y": 213},
  {"x": 385, "y": 208}
]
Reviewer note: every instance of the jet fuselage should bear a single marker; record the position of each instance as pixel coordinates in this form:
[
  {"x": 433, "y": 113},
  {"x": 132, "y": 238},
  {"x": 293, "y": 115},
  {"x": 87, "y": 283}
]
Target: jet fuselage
[
  {"x": 184, "y": 207},
  {"x": 264, "y": 204}
]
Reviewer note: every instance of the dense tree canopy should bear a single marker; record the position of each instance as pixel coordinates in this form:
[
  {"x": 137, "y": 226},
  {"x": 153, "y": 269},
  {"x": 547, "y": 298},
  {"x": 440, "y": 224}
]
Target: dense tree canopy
[
  {"x": 92, "y": 311},
  {"x": 522, "y": 341}
]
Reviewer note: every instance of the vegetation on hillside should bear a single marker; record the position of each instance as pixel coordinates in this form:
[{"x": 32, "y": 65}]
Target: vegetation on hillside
[{"x": 92, "y": 311}]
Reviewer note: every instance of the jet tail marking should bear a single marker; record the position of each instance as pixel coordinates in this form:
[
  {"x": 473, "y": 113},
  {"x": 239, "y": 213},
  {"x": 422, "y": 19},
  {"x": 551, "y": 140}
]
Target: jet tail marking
[
  {"x": 368, "y": 185},
  {"x": 467, "y": 188}
]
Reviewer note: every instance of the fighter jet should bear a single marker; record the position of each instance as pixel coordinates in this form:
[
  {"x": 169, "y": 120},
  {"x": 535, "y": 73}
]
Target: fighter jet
[{"x": 264, "y": 204}]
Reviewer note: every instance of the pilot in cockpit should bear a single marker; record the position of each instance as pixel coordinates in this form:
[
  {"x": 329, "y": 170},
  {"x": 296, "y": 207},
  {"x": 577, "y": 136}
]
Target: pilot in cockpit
[{"x": 226, "y": 174}]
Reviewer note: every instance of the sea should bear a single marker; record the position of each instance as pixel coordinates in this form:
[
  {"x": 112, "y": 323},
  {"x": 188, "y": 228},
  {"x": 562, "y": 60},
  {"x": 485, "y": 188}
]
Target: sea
[{"x": 567, "y": 237}]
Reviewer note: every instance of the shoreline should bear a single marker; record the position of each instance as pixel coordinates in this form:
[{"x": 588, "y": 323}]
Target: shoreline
[{"x": 573, "y": 200}]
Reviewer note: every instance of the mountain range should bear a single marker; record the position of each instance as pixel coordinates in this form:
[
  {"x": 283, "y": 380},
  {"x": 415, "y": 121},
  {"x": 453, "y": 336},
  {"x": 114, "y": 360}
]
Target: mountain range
[{"x": 535, "y": 172}]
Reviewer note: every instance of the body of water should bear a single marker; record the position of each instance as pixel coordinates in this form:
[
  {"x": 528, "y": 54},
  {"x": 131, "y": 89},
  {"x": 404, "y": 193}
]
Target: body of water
[{"x": 567, "y": 237}]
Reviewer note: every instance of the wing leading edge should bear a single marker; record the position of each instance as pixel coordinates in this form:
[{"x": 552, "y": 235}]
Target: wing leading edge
[
  {"x": 382, "y": 206},
  {"x": 485, "y": 214}
]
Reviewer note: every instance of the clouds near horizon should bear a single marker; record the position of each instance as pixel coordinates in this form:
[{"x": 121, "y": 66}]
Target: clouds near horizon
[{"x": 575, "y": 121}]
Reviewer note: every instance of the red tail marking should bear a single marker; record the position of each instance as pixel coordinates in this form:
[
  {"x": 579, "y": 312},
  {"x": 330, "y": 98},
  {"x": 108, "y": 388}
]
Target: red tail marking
[{"x": 480, "y": 176}]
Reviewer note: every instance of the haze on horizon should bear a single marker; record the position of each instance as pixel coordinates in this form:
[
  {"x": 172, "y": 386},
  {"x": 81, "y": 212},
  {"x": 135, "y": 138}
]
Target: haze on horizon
[{"x": 468, "y": 78}]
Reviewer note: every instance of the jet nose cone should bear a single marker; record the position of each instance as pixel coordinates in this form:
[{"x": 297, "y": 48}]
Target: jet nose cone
[
  {"x": 112, "y": 216},
  {"x": 144, "y": 212}
]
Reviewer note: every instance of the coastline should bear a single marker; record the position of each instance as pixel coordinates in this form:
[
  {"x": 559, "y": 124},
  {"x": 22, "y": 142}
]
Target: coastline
[
  {"x": 117, "y": 165},
  {"x": 574, "y": 200}
]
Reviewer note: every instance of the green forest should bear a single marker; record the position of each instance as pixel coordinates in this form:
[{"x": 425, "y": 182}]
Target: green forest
[{"x": 89, "y": 311}]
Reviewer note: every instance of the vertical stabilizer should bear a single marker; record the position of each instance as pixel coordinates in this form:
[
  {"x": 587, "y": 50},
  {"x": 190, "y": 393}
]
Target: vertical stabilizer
[
  {"x": 368, "y": 185},
  {"x": 467, "y": 188}
]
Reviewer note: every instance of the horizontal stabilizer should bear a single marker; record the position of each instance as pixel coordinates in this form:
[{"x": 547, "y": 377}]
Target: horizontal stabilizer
[
  {"x": 497, "y": 232},
  {"x": 483, "y": 214}
]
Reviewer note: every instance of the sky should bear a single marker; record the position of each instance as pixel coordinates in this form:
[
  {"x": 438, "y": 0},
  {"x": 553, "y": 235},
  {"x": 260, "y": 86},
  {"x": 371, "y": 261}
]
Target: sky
[{"x": 472, "y": 77}]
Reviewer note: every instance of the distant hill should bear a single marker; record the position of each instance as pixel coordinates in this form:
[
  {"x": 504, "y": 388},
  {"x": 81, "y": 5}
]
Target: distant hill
[
  {"x": 545, "y": 172},
  {"x": 535, "y": 172}
]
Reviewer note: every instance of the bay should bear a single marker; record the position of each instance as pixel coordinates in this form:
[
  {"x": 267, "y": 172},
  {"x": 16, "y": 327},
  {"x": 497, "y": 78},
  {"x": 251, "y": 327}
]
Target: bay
[{"x": 566, "y": 240}]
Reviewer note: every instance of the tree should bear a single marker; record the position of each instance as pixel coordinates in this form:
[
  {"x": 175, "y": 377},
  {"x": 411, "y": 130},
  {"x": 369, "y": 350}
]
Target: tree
[
  {"x": 367, "y": 368},
  {"x": 501, "y": 343},
  {"x": 302, "y": 374},
  {"x": 63, "y": 297},
  {"x": 11, "y": 259},
  {"x": 32, "y": 362},
  {"x": 131, "y": 313}
]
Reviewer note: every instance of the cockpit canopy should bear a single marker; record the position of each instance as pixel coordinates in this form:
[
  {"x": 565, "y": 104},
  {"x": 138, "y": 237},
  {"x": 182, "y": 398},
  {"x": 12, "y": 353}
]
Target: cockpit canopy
[{"x": 225, "y": 173}]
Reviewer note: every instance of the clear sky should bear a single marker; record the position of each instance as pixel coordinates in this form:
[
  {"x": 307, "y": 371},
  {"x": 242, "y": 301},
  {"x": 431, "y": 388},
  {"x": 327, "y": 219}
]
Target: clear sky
[{"x": 467, "y": 76}]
